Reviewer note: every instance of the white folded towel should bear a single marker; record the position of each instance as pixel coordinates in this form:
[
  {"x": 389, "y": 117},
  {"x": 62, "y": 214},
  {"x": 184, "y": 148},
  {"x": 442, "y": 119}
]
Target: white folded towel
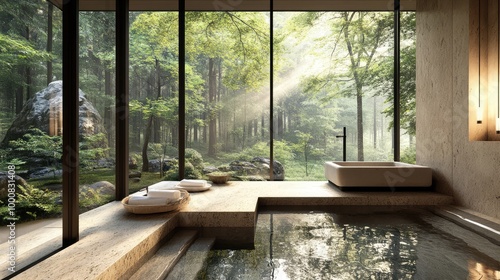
[
  {"x": 146, "y": 200},
  {"x": 170, "y": 195},
  {"x": 162, "y": 185},
  {"x": 193, "y": 183}
]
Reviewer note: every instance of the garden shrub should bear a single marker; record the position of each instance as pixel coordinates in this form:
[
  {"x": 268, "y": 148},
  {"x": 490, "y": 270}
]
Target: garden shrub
[
  {"x": 33, "y": 203},
  {"x": 195, "y": 158}
]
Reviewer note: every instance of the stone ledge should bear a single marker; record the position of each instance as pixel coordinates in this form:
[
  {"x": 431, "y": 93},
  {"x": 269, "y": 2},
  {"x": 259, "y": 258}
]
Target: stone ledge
[{"x": 114, "y": 243}]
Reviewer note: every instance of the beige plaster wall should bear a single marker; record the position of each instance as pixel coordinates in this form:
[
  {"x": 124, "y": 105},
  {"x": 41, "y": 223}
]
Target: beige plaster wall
[{"x": 468, "y": 170}]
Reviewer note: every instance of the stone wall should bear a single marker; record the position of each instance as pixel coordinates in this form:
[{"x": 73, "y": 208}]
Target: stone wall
[{"x": 468, "y": 170}]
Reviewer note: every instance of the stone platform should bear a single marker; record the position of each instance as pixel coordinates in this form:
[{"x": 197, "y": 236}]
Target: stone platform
[{"x": 114, "y": 244}]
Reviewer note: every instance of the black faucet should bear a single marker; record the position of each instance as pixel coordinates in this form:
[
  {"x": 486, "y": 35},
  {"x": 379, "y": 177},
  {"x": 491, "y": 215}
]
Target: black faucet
[{"x": 343, "y": 144}]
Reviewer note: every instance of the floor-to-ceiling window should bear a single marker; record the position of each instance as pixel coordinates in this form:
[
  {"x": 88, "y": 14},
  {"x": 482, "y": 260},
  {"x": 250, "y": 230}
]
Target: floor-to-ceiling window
[
  {"x": 227, "y": 93},
  {"x": 334, "y": 70},
  {"x": 154, "y": 96},
  {"x": 330, "y": 70},
  {"x": 30, "y": 131}
]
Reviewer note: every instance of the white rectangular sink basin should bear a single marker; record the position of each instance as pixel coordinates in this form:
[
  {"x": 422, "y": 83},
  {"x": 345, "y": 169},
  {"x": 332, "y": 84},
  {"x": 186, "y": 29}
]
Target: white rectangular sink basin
[{"x": 377, "y": 174}]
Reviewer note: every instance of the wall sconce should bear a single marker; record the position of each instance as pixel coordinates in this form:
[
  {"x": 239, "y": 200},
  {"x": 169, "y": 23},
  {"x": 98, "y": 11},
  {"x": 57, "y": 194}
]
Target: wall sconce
[
  {"x": 484, "y": 81},
  {"x": 479, "y": 110},
  {"x": 498, "y": 73}
]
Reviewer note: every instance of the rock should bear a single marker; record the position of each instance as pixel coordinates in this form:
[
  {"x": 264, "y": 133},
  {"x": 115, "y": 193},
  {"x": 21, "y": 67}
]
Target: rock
[
  {"x": 103, "y": 187},
  {"x": 258, "y": 167},
  {"x": 243, "y": 168},
  {"x": 224, "y": 168},
  {"x": 4, "y": 184},
  {"x": 132, "y": 163},
  {"x": 44, "y": 172},
  {"x": 170, "y": 163},
  {"x": 44, "y": 111},
  {"x": 264, "y": 163},
  {"x": 134, "y": 174},
  {"x": 210, "y": 169},
  {"x": 135, "y": 180},
  {"x": 105, "y": 163},
  {"x": 154, "y": 164}
]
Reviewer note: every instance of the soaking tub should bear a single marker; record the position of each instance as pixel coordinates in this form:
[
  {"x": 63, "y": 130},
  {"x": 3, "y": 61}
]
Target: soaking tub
[{"x": 346, "y": 174}]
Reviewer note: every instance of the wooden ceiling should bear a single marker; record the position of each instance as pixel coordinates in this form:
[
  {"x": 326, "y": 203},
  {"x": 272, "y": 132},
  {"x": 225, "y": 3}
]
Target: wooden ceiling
[{"x": 246, "y": 5}]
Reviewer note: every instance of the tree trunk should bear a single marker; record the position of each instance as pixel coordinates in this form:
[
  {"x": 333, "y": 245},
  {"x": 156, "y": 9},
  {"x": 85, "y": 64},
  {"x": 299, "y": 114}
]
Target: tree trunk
[
  {"x": 255, "y": 124},
  {"x": 280, "y": 123},
  {"x": 156, "y": 121},
  {"x": 50, "y": 36},
  {"x": 212, "y": 90},
  {"x": 19, "y": 93},
  {"x": 28, "y": 83},
  {"x": 250, "y": 129},
  {"x": 262, "y": 126},
  {"x": 147, "y": 135},
  {"x": 219, "y": 93},
  {"x": 359, "y": 114},
  {"x": 195, "y": 133},
  {"x": 175, "y": 135},
  {"x": 147, "y": 132},
  {"x": 108, "y": 116}
]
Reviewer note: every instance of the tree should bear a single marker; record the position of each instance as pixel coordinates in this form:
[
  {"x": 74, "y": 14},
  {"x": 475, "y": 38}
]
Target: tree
[
  {"x": 22, "y": 23},
  {"x": 24, "y": 20},
  {"x": 383, "y": 72},
  {"x": 154, "y": 37},
  {"x": 234, "y": 47},
  {"x": 355, "y": 40}
]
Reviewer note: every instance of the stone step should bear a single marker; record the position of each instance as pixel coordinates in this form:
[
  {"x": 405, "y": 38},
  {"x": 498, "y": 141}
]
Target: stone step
[
  {"x": 193, "y": 261},
  {"x": 162, "y": 262}
]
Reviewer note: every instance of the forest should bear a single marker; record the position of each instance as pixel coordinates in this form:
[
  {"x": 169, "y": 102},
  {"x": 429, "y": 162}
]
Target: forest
[{"x": 330, "y": 70}]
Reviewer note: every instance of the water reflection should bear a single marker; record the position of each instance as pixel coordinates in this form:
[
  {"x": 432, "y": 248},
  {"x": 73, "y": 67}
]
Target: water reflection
[
  {"x": 481, "y": 271},
  {"x": 326, "y": 246}
]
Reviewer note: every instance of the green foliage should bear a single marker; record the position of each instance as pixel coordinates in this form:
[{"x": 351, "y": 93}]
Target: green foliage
[
  {"x": 37, "y": 144},
  {"x": 33, "y": 203},
  {"x": 383, "y": 72},
  {"x": 159, "y": 108},
  {"x": 191, "y": 172},
  {"x": 283, "y": 152},
  {"x": 15, "y": 51},
  {"x": 6, "y": 159},
  {"x": 90, "y": 198},
  {"x": 314, "y": 87},
  {"x": 92, "y": 148},
  {"x": 155, "y": 150},
  {"x": 409, "y": 155},
  {"x": 194, "y": 157}
]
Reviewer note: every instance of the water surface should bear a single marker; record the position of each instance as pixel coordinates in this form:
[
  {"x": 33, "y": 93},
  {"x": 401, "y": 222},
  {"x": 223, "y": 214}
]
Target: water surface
[{"x": 403, "y": 244}]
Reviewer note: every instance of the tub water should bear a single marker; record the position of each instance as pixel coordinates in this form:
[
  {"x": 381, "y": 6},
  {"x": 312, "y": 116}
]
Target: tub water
[{"x": 380, "y": 244}]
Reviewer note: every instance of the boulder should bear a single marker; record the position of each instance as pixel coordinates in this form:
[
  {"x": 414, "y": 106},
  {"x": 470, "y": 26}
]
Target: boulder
[
  {"x": 132, "y": 163},
  {"x": 258, "y": 166},
  {"x": 135, "y": 180},
  {"x": 105, "y": 163},
  {"x": 210, "y": 169},
  {"x": 44, "y": 172},
  {"x": 134, "y": 174},
  {"x": 4, "y": 184},
  {"x": 154, "y": 164},
  {"x": 44, "y": 111},
  {"x": 103, "y": 187},
  {"x": 243, "y": 168},
  {"x": 263, "y": 165}
]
